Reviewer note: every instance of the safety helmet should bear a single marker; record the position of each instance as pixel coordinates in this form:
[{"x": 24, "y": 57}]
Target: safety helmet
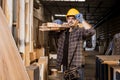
[
  {"x": 58, "y": 21},
  {"x": 72, "y": 12}
]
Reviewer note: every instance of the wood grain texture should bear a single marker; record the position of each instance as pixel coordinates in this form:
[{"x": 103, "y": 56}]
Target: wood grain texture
[{"x": 11, "y": 65}]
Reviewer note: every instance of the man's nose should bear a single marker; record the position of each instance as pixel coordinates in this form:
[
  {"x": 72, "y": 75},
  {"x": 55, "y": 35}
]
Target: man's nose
[{"x": 70, "y": 20}]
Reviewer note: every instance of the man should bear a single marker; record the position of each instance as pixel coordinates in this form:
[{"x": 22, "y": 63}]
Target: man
[{"x": 70, "y": 41}]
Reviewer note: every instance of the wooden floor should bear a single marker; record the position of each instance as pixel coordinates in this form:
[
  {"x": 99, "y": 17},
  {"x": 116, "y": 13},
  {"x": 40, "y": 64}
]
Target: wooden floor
[{"x": 89, "y": 66}]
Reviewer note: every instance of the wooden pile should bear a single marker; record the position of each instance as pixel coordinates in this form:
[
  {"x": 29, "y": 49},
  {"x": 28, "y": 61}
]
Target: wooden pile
[{"x": 53, "y": 26}]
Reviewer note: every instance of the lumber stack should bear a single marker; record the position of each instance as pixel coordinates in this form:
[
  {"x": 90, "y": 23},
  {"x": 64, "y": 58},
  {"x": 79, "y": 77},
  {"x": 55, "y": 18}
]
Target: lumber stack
[
  {"x": 53, "y": 26},
  {"x": 11, "y": 65},
  {"x": 56, "y": 27}
]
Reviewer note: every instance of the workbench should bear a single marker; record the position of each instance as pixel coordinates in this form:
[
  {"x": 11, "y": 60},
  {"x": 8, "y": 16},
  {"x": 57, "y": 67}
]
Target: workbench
[
  {"x": 115, "y": 72},
  {"x": 103, "y": 64}
]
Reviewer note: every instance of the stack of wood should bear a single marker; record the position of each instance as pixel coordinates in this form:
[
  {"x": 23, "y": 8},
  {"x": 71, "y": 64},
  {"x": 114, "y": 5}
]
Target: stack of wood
[{"x": 53, "y": 26}]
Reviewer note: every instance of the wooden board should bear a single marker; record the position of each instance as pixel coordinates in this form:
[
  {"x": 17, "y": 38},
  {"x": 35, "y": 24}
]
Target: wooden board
[
  {"x": 53, "y": 26},
  {"x": 33, "y": 71},
  {"x": 11, "y": 65},
  {"x": 39, "y": 52},
  {"x": 43, "y": 61},
  {"x": 108, "y": 57},
  {"x": 33, "y": 56}
]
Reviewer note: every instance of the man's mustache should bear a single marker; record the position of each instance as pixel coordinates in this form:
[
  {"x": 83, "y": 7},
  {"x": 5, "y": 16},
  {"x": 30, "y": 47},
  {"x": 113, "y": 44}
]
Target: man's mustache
[{"x": 70, "y": 22}]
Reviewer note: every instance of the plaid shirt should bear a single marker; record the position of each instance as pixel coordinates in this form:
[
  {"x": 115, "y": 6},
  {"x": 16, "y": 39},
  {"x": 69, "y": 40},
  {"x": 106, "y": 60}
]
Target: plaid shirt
[{"x": 76, "y": 38}]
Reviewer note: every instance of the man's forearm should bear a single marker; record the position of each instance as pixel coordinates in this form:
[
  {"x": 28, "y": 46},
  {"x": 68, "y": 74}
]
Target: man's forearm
[{"x": 86, "y": 25}]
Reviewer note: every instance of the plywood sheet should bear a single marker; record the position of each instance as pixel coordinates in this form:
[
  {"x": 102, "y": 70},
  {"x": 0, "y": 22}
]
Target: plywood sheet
[{"x": 11, "y": 65}]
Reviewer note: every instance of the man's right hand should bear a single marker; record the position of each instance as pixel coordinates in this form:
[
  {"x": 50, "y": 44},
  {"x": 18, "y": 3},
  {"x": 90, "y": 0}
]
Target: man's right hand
[{"x": 79, "y": 17}]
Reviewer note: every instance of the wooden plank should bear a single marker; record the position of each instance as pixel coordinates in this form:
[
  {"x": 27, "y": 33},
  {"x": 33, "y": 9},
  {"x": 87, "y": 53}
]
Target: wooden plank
[
  {"x": 11, "y": 65},
  {"x": 31, "y": 24},
  {"x": 27, "y": 34},
  {"x": 8, "y": 11},
  {"x": 33, "y": 71},
  {"x": 40, "y": 52},
  {"x": 108, "y": 57},
  {"x": 21, "y": 26},
  {"x": 53, "y": 26},
  {"x": 33, "y": 56},
  {"x": 116, "y": 62},
  {"x": 43, "y": 61},
  {"x": 28, "y": 30}
]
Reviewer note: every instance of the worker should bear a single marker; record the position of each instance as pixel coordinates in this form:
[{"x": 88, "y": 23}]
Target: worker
[{"x": 70, "y": 41}]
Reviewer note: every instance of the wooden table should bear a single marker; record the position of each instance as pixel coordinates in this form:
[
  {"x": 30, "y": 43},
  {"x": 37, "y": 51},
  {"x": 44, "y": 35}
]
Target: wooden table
[
  {"x": 102, "y": 68},
  {"x": 115, "y": 72}
]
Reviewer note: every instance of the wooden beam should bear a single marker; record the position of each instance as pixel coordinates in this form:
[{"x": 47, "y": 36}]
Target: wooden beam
[
  {"x": 27, "y": 34},
  {"x": 43, "y": 61},
  {"x": 21, "y": 26},
  {"x": 28, "y": 30},
  {"x": 31, "y": 25},
  {"x": 34, "y": 71},
  {"x": 8, "y": 10}
]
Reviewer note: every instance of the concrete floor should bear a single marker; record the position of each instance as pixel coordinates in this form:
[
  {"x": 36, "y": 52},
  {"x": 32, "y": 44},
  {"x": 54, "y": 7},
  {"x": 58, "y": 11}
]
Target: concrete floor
[{"x": 90, "y": 65}]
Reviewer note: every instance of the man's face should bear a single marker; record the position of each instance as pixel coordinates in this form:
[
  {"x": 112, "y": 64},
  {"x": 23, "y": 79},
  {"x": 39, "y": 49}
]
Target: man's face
[{"x": 72, "y": 22}]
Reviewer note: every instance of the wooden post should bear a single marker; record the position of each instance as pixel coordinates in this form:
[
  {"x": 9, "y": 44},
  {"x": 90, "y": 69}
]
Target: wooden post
[
  {"x": 28, "y": 30},
  {"x": 27, "y": 34},
  {"x": 8, "y": 10},
  {"x": 21, "y": 26},
  {"x": 31, "y": 25},
  {"x": 43, "y": 61}
]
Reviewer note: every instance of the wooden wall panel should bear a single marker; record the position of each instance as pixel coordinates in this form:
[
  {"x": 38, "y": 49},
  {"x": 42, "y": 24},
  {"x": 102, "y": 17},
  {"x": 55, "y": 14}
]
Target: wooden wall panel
[{"x": 11, "y": 65}]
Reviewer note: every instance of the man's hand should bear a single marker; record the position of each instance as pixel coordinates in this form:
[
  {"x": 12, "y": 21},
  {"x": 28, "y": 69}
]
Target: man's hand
[{"x": 79, "y": 17}]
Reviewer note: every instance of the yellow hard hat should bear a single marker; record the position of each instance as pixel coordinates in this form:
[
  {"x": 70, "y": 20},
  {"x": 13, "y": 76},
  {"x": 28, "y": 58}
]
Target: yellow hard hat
[{"x": 72, "y": 12}]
